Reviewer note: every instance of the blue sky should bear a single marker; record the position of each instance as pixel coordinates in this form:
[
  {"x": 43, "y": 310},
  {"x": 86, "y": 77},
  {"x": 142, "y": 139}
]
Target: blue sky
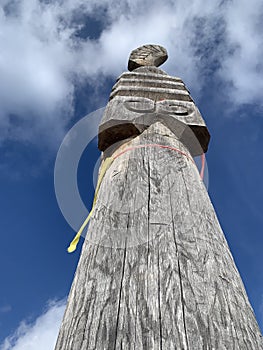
[{"x": 58, "y": 62}]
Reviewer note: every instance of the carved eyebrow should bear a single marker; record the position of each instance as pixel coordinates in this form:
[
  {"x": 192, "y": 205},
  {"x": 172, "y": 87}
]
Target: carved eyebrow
[{"x": 150, "y": 106}]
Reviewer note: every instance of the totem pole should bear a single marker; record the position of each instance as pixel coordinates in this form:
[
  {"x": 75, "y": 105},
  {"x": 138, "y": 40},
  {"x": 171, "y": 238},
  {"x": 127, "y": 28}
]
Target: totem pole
[{"x": 155, "y": 270}]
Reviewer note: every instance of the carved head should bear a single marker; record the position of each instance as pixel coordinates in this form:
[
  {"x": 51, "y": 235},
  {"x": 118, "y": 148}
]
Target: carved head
[{"x": 147, "y": 95}]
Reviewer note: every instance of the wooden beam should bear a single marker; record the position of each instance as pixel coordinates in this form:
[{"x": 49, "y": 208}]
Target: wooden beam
[{"x": 155, "y": 270}]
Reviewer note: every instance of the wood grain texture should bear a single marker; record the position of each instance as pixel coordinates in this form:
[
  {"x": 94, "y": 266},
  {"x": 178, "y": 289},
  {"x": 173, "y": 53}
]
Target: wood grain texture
[
  {"x": 156, "y": 271},
  {"x": 144, "y": 94},
  {"x": 147, "y": 55}
]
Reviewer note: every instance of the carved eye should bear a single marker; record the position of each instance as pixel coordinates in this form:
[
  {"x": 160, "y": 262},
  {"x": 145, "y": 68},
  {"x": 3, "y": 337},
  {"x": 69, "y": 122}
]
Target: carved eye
[
  {"x": 178, "y": 110},
  {"x": 172, "y": 107},
  {"x": 140, "y": 105}
]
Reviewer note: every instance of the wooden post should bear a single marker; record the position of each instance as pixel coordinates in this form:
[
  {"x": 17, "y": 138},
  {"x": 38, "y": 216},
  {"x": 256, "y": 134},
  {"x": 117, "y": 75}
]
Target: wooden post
[{"x": 155, "y": 271}]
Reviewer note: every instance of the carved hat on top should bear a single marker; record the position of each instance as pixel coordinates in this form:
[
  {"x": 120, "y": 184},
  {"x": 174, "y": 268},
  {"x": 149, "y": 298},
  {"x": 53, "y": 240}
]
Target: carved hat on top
[{"x": 147, "y": 55}]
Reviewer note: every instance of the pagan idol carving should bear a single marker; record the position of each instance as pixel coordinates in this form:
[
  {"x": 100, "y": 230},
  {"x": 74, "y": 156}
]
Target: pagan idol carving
[{"x": 147, "y": 95}]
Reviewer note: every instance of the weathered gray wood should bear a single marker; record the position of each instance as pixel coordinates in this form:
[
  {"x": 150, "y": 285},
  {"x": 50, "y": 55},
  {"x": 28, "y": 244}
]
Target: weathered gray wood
[
  {"x": 143, "y": 97},
  {"x": 147, "y": 55},
  {"x": 155, "y": 270}
]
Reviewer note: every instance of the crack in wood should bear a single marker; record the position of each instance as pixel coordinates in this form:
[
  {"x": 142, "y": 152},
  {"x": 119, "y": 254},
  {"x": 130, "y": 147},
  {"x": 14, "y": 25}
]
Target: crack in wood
[{"x": 177, "y": 286}]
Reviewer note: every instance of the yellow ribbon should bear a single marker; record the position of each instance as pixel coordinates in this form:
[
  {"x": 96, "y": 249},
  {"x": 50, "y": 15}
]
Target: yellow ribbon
[{"x": 105, "y": 166}]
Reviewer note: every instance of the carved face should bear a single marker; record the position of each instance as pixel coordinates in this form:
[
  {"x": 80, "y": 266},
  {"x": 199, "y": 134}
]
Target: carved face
[
  {"x": 146, "y": 96},
  {"x": 128, "y": 116},
  {"x": 127, "y": 108},
  {"x": 182, "y": 110}
]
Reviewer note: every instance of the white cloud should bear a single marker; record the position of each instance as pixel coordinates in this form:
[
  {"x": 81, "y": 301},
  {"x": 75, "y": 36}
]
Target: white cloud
[
  {"x": 244, "y": 68},
  {"x": 42, "y": 57},
  {"x": 41, "y": 334}
]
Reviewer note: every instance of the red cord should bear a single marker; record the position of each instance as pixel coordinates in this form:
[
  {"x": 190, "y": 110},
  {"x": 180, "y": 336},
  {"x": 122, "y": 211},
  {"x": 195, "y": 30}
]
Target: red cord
[
  {"x": 203, "y": 166},
  {"x": 154, "y": 145},
  {"x": 168, "y": 147}
]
